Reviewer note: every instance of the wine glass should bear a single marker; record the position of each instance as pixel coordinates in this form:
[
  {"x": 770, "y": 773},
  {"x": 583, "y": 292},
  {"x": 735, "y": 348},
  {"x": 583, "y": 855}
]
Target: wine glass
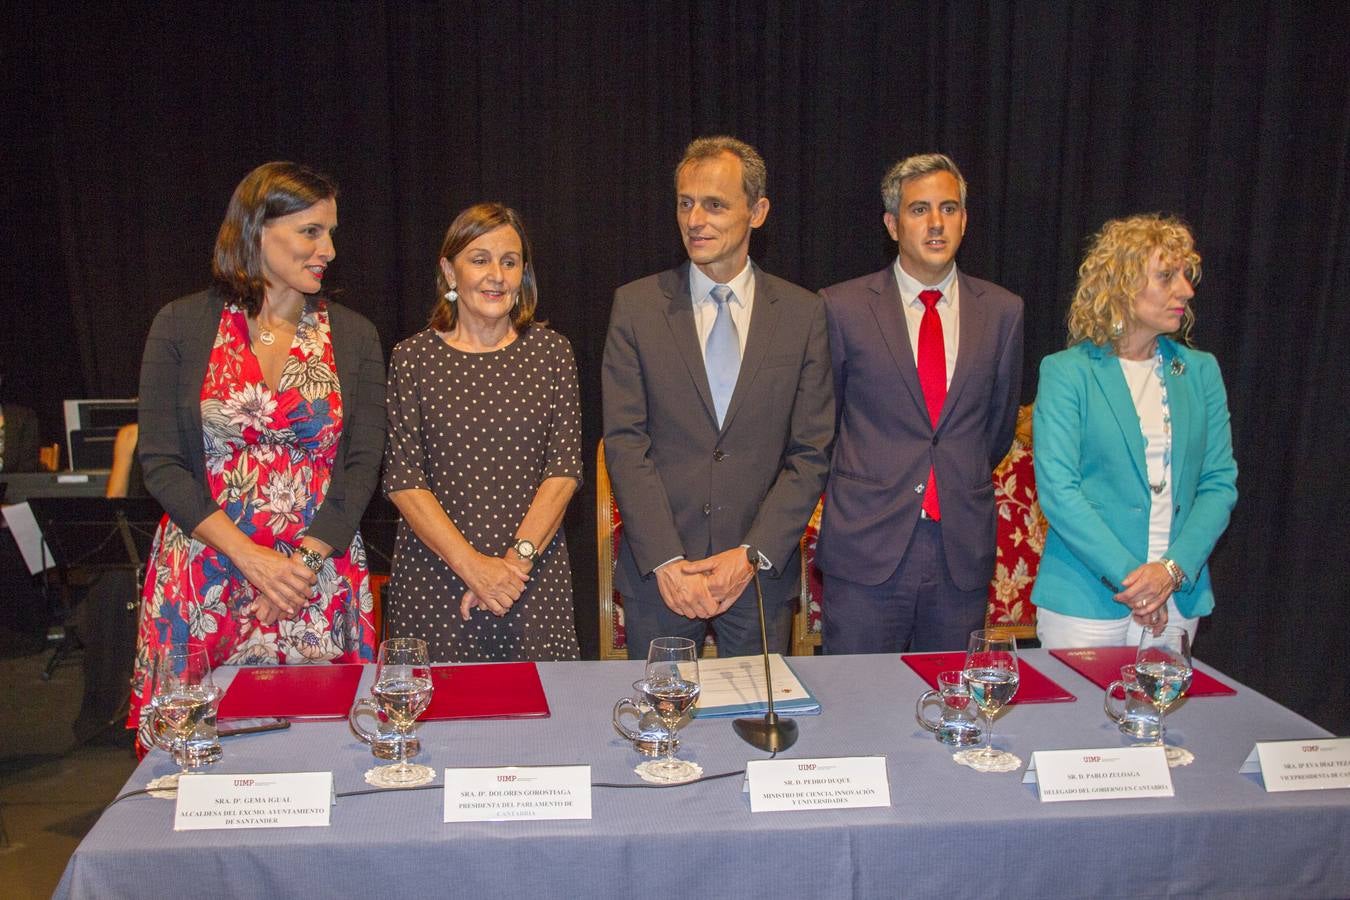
[
  {"x": 402, "y": 690},
  {"x": 991, "y": 674},
  {"x": 1163, "y": 667},
  {"x": 671, "y": 687},
  {"x": 183, "y": 705}
]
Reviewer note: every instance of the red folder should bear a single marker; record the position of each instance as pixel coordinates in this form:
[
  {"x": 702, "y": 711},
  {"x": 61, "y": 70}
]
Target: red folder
[
  {"x": 486, "y": 691},
  {"x": 291, "y": 692},
  {"x": 1101, "y": 666},
  {"x": 1032, "y": 685}
]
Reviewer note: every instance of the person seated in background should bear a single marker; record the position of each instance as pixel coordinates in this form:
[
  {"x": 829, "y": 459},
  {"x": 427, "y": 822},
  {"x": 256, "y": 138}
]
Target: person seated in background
[
  {"x": 261, "y": 430},
  {"x": 484, "y": 454},
  {"x": 1134, "y": 455},
  {"x": 19, "y": 435}
]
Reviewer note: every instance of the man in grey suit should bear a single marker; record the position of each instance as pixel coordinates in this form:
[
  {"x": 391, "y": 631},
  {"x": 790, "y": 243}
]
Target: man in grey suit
[
  {"x": 718, "y": 419},
  {"x": 927, "y": 375}
]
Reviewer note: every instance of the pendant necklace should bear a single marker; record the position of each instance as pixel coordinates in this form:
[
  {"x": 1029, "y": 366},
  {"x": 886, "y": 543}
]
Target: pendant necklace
[{"x": 1167, "y": 423}]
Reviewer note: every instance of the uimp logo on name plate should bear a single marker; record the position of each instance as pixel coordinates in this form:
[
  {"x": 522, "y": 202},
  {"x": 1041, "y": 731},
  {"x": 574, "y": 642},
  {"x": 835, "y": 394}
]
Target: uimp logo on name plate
[
  {"x": 1308, "y": 765},
  {"x": 280, "y": 800}
]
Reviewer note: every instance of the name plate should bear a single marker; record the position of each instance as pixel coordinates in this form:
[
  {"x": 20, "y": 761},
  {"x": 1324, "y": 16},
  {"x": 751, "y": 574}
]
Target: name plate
[
  {"x": 497, "y": 794},
  {"x": 280, "y": 800},
  {"x": 1114, "y": 773},
  {"x": 832, "y": 783},
  {"x": 1315, "y": 765}
]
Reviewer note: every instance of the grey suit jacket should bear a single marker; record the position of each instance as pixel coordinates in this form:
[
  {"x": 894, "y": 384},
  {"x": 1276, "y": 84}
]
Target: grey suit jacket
[
  {"x": 887, "y": 441},
  {"x": 686, "y": 487},
  {"x": 171, "y": 447}
]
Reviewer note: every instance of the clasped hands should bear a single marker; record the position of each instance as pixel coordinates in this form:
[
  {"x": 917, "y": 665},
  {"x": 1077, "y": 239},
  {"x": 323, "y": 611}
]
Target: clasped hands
[
  {"x": 494, "y": 583},
  {"x": 703, "y": 588},
  {"x": 284, "y": 583},
  {"x": 1145, "y": 592}
]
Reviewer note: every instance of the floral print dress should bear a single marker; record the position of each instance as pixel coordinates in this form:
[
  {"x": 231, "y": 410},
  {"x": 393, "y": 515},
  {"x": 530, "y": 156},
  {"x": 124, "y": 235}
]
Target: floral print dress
[{"x": 269, "y": 459}]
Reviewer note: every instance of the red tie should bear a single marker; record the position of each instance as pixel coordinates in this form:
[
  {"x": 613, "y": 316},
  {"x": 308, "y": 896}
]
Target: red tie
[{"x": 933, "y": 380}]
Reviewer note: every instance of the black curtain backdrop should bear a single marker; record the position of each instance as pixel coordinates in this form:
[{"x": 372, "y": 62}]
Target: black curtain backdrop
[{"x": 128, "y": 126}]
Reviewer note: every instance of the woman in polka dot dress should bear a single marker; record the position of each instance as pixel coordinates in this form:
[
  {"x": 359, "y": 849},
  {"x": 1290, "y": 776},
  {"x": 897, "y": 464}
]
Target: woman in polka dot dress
[{"x": 483, "y": 455}]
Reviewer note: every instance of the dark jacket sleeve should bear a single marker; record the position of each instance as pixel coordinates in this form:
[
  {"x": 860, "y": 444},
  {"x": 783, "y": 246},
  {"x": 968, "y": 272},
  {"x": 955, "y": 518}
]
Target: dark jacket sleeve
[
  {"x": 170, "y": 447},
  {"x": 357, "y": 467}
]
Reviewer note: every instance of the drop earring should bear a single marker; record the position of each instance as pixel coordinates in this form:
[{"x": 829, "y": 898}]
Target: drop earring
[{"x": 451, "y": 296}]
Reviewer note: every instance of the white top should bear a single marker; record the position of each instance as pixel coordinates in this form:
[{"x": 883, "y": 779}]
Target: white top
[
  {"x": 948, "y": 310},
  {"x": 705, "y": 307},
  {"x": 1146, "y": 391}
]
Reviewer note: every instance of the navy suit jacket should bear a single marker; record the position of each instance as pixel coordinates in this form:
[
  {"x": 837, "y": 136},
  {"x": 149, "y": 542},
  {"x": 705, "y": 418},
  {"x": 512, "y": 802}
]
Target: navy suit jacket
[
  {"x": 886, "y": 441},
  {"x": 686, "y": 487}
]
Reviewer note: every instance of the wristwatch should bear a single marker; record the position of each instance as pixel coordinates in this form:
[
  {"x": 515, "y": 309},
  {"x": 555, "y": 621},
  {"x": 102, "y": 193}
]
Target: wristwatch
[
  {"x": 526, "y": 550},
  {"x": 312, "y": 559}
]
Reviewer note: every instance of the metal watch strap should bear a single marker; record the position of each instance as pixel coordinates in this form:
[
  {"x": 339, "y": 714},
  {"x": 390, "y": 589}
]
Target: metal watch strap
[{"x": 312, "y": 559}]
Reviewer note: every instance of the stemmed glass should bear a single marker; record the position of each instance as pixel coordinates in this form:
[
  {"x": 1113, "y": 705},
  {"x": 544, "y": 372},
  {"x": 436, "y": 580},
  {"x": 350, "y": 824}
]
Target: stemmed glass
[
  {"x": 402, "y": 690},
  {"x": 671, "y": 686},
  {"x": 1163, "y": 667},
  {"x": 991, "y": 674},
  {"x": 183, "y": 703}
]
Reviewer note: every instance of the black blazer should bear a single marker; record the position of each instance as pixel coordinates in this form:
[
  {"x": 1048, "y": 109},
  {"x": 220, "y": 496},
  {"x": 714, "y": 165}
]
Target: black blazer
[{"x": 171, "y": 448}]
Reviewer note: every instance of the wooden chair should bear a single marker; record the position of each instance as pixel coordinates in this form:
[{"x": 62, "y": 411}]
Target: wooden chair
[{"x": 1021, "y": 536}]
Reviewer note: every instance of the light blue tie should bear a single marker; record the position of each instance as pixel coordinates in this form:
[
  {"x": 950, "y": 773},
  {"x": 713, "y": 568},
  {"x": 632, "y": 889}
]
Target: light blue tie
[{"x": 722, "y": 355}]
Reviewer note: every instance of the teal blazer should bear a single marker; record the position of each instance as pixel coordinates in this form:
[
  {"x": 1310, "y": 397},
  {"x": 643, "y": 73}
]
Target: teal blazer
[{"x": 1093, "y": 485}]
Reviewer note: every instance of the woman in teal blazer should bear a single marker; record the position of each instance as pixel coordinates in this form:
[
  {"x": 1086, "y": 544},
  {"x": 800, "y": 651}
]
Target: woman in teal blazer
[{"x": 1133, "y": 451}]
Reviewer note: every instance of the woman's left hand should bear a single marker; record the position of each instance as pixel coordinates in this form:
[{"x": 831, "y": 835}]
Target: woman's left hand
[{"x": 1146, "y": 590}]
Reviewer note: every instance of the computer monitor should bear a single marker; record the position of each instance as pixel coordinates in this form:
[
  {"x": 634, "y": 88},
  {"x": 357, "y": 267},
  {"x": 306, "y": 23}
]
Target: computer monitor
[{"x": 91, "y": 430}]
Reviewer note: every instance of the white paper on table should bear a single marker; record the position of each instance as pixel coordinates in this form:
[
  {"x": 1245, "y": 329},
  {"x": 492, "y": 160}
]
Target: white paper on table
[
  {"x": 1301, "y": 765},
  {"x": 737, "y": 683},
  {"x": 23, "y": 525}
]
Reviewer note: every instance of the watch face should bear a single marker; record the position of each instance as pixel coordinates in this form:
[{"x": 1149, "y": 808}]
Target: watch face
[{"x": 525, "y": 549}]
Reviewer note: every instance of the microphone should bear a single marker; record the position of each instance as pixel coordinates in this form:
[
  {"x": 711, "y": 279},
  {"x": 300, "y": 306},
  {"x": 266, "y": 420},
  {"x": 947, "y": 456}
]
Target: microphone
[{"x": 768, "y": 733}]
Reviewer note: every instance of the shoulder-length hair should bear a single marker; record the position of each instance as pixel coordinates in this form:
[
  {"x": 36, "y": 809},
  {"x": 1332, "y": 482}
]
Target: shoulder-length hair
[
  {"x": 1115, "y": 270},
  {"x": 467, "y": 227},
  {"x": 270, "y": 191}
]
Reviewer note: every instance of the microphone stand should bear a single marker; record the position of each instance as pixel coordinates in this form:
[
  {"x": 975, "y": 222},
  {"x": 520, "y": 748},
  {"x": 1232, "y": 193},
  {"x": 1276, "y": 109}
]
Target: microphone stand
[{"x": 768, "y": 733}]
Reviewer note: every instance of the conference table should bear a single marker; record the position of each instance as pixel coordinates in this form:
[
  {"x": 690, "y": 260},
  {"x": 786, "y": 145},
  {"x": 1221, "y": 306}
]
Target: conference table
[{"x": 949, "y": 831}]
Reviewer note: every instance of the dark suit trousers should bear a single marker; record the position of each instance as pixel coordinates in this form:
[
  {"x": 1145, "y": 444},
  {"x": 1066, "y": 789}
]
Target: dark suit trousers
[
  {"x": 917, "y": 608},
  {"x": 737, "y": 629}
]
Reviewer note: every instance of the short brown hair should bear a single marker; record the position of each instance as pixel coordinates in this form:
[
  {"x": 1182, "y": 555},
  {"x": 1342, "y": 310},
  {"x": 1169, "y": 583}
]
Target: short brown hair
[
  {"x": 754, "y": 174},
  {"x": 1115, "y": 270},
  {"x": 468, "y": 226},
  {"x": 270, "y": 191}
]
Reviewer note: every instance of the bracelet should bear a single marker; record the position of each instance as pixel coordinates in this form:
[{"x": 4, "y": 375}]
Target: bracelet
[
  {"x": 312, "y": 559},
  {"x": 1174, "y": 571}
]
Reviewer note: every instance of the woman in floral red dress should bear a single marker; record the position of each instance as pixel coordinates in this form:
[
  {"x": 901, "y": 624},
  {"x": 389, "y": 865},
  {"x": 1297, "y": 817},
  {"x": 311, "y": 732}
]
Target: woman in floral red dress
[{"x": 261, "y": 431}]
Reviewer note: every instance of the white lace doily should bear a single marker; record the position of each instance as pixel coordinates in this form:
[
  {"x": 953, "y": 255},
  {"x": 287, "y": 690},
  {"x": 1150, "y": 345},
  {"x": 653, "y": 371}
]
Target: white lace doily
[
  {"x": 647, "y": 772},
  {"x": 378, "y": 777},
  {"x": 1007, "y": 762},
  {"x": 165, "y": 787},
  {"x": 1178, "y": 757}
]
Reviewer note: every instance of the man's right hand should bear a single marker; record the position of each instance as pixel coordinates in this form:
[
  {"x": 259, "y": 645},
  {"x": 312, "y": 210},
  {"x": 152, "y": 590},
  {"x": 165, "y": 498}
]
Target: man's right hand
[{"x": 685, "y": 592}]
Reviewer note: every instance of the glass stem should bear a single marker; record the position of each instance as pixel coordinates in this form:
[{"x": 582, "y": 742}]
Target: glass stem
[
  {"x": 990, "y": 751},
  {"x": 1161, "y": 743}
]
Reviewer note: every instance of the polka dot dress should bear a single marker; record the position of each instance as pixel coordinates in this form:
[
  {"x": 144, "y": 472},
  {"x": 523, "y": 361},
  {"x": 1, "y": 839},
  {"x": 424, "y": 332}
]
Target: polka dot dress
[{"x": 481, "y": 431}]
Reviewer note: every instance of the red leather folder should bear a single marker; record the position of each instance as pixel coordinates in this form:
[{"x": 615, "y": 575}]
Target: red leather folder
[
  {"x": 1032, "y": 686},
  {"x": 486, "y": 691},
  {"x": 291, "y": 692},
  {"x": 1101, "y": 666}
]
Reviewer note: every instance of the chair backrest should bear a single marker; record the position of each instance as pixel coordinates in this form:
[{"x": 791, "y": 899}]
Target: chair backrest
[
  {"x": 49, "y": 457},
  {"x": 806, "y": 621},
  {"x": 1021, "y": 536}
]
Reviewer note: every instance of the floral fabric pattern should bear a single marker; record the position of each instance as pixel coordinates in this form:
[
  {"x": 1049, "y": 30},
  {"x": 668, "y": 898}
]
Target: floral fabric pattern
[{"x": 269, "y": 459}]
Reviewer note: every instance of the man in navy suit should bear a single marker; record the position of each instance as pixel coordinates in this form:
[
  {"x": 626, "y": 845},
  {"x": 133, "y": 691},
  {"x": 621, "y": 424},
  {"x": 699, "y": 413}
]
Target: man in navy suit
[{"x": 927, "y": 365}]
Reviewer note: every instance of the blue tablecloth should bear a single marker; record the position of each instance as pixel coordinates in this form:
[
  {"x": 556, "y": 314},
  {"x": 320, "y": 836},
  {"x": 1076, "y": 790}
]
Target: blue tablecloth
[{"x": 949, "y": 831}]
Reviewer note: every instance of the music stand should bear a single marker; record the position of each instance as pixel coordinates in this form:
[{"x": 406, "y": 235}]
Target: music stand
[{"x": 101, "y": 536}]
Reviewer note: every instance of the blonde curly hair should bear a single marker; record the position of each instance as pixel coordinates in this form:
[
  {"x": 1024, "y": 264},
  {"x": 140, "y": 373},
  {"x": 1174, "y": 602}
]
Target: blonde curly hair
[{"x": 1115, "y": 269}]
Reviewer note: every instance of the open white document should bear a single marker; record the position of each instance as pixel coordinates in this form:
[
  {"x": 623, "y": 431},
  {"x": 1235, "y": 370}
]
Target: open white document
[{"x": 735, "y": 687}]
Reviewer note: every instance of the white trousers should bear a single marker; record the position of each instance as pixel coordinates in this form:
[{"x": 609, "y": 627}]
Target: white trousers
[{"x": 1056, "y": 630}]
